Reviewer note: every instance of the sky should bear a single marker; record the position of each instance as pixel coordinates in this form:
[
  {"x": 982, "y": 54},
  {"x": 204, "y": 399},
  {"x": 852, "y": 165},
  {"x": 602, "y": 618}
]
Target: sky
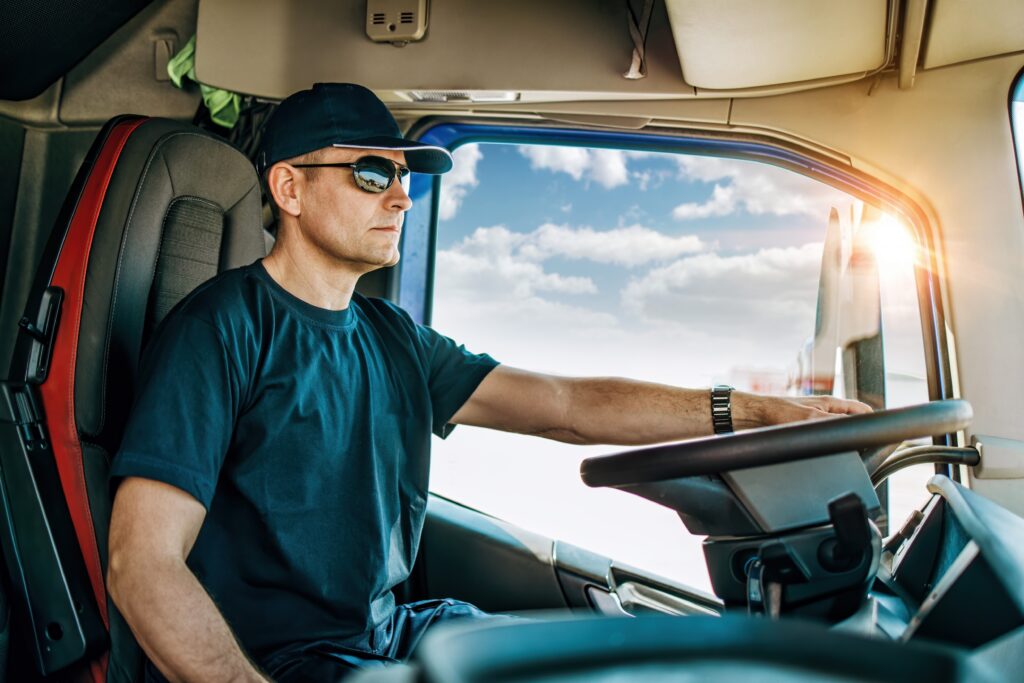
[
  {"x": 671, "y": 268},
  {"x": 674, "y": 259}
]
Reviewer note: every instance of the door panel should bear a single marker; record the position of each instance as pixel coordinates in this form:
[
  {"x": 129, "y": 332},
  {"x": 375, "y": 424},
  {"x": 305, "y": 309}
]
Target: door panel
[
  {"x": 497, "y": 566},
  {"x": 597, "y": 583},
  {"x": 471, "y": 556}
]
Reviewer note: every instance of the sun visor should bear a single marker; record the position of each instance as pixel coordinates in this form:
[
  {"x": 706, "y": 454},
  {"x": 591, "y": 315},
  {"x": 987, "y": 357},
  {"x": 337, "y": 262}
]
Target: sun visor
[
  {"x": 962, "y": 30},
  {"x": 760, "y": 43}
]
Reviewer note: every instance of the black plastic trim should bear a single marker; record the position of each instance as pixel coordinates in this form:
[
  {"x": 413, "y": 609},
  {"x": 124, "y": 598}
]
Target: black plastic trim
[{"x": 40, "y": 549}]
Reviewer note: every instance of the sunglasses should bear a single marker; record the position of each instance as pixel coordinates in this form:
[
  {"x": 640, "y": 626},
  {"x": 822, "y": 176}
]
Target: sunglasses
[{"x": 372, "y": 174}]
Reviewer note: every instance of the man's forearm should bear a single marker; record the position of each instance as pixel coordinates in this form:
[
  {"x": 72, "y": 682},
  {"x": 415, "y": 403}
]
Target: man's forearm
[
  {"x": 176, "y": 622},
  {"x": 628, "y": 412},
  {"x": 611, "y": 410}
]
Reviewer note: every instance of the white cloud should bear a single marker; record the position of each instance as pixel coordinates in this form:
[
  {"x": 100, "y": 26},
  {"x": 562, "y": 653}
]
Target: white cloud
[
  {"x": 757, "y": 188},
  {"x": 771, "y": 291},
  {"x": 458, "y": 182},
  {"x": 609, "y": 168},
  {"x": 487, "y": 295},
  {"x": 627, "y": 246},
  {"x": 487, "y": 266},
  {"x": 571, "y": 160},
  {"x": 690, "y": 321},
  {"x": 722, "y": 203},
  {"x": 606, "y": 167},
  {"x": 495, "y": 279},
  {"x": 503, "y": 273}
]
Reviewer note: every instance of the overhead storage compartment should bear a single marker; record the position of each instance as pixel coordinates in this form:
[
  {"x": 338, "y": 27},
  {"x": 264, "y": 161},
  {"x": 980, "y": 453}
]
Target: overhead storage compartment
[
  {"x": 758, "y": 43},
  {"x": 962, "y": 30}
]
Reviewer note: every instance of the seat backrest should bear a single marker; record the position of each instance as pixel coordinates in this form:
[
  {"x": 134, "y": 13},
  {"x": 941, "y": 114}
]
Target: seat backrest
[{"x": 157, "y": 208}]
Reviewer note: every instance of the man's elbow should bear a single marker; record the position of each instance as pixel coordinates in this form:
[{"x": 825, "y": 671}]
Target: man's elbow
[
  {"x": 118, "y": 572},
  {"x": 128, "y": 575}
]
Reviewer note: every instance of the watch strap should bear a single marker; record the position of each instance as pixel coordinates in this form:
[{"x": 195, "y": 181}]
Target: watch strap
[{"x": 721, "y": 408}]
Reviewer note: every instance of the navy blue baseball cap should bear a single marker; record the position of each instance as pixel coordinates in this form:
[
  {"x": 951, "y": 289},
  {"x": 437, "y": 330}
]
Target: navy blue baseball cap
[{"x": 341, "y": 115}]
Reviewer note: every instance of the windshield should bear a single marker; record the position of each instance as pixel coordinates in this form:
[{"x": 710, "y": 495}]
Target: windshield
[{"x": 671, "y": 268}]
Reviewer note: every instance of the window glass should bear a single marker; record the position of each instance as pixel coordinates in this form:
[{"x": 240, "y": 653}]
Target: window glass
[
  {"x": 1017, "y": 120},
  {"x": 672, "y": 268},
  {"x": 906, "y": 376}
]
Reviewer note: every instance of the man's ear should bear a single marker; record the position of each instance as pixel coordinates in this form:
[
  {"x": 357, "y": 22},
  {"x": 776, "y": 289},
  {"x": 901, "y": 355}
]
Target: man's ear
[{"x": 285, "y": 182}]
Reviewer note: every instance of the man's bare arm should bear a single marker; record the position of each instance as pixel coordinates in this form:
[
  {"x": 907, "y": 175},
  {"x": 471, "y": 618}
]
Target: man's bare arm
[
  {"x": 610, "y": 410},
  {"x": 152, "y": 529}
]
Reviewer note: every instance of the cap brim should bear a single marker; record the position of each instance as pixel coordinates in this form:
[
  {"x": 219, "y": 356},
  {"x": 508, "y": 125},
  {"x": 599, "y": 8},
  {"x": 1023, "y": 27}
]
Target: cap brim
[{"x": 419, "y": 158}]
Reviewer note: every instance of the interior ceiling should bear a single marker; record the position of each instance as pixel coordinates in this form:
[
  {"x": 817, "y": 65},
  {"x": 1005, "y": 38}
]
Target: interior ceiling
[
  {"x": 572, "y": 50},
  {"x": 579, "y": 49},
  {"x": 40, "y": 41}
]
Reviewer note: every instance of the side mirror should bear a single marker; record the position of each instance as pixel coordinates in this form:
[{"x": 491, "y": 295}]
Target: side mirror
[{"x": 849, "y": 314}]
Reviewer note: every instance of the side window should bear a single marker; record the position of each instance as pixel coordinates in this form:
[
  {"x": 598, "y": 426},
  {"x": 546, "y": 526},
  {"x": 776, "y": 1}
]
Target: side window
[
  {"x": 1017, "y": 123},
  {"x": 672, "y": 268}
]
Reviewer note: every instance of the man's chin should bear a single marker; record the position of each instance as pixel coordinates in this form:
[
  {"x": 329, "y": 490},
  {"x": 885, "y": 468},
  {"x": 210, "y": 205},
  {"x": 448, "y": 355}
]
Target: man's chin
[{"x": 385, "y": 260}]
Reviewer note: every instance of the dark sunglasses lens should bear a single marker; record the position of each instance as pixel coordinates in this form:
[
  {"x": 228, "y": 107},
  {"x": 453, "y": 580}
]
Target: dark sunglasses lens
[{"x": 374, "y": 176}]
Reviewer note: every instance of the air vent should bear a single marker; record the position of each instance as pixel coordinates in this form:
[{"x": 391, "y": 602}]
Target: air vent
[{"x": 396, "y": 21}]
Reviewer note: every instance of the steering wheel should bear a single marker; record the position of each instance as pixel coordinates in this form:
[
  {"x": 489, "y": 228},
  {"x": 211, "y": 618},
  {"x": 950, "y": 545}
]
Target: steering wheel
[{"x": 778, "y": 444}]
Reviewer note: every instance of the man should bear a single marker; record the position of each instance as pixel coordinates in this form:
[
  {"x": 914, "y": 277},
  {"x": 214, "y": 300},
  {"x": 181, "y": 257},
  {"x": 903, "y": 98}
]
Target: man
[{"x": 273, "y": 474}]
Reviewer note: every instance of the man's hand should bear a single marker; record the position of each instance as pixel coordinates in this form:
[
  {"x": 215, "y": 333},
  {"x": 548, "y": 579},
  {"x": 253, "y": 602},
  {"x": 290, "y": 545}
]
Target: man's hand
[{"x": 753, "y": 410}]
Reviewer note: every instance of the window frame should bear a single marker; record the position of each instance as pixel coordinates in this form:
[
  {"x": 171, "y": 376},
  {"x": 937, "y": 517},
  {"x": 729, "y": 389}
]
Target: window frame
[{"x": 412, "y": 282}]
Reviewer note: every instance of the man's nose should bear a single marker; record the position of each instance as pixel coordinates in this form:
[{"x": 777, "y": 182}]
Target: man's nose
[{"x": 397, "y": 197}]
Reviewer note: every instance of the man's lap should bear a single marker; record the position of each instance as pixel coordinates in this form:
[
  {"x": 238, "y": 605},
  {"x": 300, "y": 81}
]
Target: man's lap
[{"x": 394, "y": 642}]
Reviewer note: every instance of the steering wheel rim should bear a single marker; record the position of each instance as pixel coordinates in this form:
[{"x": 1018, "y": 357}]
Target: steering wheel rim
[{"x": 776, "y": 444}]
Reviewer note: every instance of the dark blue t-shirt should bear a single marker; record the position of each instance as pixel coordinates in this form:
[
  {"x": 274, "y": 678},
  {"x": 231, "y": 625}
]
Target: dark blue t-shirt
[{"x": 306, "y": 434}]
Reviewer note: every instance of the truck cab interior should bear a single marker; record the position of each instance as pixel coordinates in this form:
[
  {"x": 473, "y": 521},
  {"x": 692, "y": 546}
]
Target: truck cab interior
[{"x": 804, "y": 152}]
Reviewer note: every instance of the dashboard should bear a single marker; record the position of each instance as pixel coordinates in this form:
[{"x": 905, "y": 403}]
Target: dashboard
[{"x": 959, "y": 573}]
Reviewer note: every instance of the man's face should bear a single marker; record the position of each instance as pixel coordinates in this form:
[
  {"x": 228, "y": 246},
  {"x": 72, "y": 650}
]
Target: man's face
[{"x": 347, "y": 223}]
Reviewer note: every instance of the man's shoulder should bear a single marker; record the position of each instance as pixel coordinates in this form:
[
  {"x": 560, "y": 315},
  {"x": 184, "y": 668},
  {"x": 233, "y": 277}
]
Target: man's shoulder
[
  {"x": 376, "y": 305},
  {"x": 389, "y": 319},
  {"x": 223, "y": 299}
]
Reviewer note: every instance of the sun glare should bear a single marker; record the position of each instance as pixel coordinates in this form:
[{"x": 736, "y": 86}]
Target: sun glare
[{"x": 892, "y": 242}]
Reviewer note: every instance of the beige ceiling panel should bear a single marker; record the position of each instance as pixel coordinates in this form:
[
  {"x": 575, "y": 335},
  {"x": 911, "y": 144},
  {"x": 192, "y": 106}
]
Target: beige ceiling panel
[
  {"x": 272, "y": 48},
  {"x": 962, "y": 30},
  {"x": 755, "y": 43}
]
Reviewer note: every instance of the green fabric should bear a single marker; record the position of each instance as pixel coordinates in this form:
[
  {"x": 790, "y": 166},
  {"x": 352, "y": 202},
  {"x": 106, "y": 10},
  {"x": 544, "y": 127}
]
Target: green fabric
[{"x": 224, "y": 106}]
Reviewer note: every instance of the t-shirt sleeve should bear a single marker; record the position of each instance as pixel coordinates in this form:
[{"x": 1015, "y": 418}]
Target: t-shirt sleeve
[
  {"x": 453, "y": 375},
  {"x": 186, "y": 401}
]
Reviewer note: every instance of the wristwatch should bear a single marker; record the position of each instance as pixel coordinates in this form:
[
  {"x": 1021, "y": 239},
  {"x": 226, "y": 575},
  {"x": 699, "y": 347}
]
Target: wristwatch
[{"x": 721, "y": 408}]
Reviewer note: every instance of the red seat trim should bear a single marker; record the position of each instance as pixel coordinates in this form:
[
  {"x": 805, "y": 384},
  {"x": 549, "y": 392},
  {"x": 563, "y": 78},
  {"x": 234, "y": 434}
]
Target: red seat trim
[{"x": 58, "y": 391}]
